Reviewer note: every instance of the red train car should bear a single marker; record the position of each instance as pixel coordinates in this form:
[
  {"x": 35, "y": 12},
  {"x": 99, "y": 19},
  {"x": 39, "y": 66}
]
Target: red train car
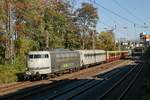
[{"x": 115, "y": 55}]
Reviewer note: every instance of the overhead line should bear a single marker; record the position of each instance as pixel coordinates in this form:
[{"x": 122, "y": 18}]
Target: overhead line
[
  {"x": 114, "y": 21},
  {"x": 129, "y": 12},
  {"x": 112, "y": 12},
  {"x": 106, "y": 24}
]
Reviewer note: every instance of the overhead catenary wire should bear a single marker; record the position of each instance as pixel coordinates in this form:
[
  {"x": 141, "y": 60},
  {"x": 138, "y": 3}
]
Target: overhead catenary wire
[
  {"x": 106, "y": 24},
  {"x": 114, "y": 13},
  {"x": 73, "y": 2},
  {"x": 128, "y": 11}
]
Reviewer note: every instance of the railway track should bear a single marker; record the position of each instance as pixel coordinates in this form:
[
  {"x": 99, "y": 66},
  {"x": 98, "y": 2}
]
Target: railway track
[
  {"x": 38, "y": 89},
  {"x": 123, "y": 85},
  {"x": 73, "y": 88},
  {"x": 113, "y": 89},
  {"x": 20, "y": 85},
  {"x": 56, "y": 92},
  {"x": 79, "y": 89},
  {"x": 13, "y": 86},
  {"x": 94, "y": 83},
  {"x": 81, "y": 85}
]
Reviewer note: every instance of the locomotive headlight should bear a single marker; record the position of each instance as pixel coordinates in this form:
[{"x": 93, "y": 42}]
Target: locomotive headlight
[
  {"x": 28, "y": 72},
  {"x": 26, "y": 68}
]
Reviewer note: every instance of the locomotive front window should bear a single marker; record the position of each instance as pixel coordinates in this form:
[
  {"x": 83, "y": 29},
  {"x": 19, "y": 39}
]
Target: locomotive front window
[
  {"x": 46, "y": 55},
  {"x": 30, "y": 56},
  {"x": 36, "y": 56}
]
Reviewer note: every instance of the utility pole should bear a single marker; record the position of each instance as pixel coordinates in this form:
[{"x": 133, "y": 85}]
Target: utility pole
[
  {"x": 83, "y": 37},
  {"x": 93, "y": 38}
]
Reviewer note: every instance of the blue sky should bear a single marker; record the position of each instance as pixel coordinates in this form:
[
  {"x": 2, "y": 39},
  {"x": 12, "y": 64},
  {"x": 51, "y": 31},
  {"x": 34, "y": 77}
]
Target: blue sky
[{"x": 137, "y": 12}]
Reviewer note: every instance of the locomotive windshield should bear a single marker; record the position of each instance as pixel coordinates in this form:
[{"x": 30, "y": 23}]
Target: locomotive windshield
[{"x": 36, "y": 56}]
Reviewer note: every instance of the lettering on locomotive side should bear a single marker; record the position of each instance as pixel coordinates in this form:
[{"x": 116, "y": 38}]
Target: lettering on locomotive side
[{"x": 65, "y": 66}]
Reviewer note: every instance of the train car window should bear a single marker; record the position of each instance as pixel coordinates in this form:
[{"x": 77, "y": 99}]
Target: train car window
[
  {"x": 85, "y": 55},
  {"x": 112, "y": 54},
  {"x": 37, "y": 56},
  {"x": 46, "y": 56},
  {"x": 31, "y": 56},
  {"x": 98, "y": 54},
  {"x": 42, "y": 56},
  {"x": 91, "y": 55}
]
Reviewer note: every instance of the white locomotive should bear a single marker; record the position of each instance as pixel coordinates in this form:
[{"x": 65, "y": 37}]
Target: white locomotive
[{"x": 41, "y": 63}]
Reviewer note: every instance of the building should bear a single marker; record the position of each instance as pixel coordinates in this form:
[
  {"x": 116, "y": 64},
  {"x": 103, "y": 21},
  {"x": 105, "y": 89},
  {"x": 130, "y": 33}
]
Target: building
[{"x": 145, "y": 38}]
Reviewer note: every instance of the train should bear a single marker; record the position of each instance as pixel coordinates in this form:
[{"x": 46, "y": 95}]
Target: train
[
  {"x": 40, "y": 64},
  {"x": 137, "y": 53}
]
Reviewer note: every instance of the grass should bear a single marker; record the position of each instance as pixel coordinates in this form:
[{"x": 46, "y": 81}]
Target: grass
[{"x": 11, "y": 73}]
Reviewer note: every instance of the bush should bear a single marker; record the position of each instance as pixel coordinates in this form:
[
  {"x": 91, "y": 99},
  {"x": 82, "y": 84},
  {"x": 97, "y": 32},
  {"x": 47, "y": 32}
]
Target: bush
[
  {"x": 2, "y": 54},
  {"x": 9, "y": 73}
]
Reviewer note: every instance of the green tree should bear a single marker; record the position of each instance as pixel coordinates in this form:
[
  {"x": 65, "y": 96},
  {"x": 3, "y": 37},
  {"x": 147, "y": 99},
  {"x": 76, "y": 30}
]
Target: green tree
[
  {"x": 6, "y": 26},
  {"x": 106, "y": 40},
  {"x": 87, "y": 20},
  {"x": 42, "y": 23}
]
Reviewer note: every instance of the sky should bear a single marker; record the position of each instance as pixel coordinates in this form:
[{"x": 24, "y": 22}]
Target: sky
[{"x": 128, "y": 18}]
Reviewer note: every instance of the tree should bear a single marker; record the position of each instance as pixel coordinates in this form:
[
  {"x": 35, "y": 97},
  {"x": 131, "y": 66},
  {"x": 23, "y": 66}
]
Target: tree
[
  {"x": 38, "y": 24},
  {"x": 107, "y": 40},
  {"x": 6, "y": 18},
  {"x": 87, "y": 20}
]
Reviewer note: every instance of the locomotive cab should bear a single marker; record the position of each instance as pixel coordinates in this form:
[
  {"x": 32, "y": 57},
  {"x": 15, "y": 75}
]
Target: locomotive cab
[{"x": 38, "y": 63}]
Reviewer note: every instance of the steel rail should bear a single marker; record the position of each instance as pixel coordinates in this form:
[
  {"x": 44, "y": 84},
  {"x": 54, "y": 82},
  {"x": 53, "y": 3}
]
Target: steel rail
[
  {"x": 130, "y": 84},
  {"x": 84, "y": 87},
  {"x": 36, "y": 90},
  {"x": 117, "y": 83}
]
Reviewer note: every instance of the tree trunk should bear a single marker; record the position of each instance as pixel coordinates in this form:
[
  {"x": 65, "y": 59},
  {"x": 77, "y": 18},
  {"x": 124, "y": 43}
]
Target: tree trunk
[
  {"x": 83, "y": 43},
  {"x": 47, "y": 39},
  {"x": 93, "y": 40},
  {"x": 9, "y": 53}
]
